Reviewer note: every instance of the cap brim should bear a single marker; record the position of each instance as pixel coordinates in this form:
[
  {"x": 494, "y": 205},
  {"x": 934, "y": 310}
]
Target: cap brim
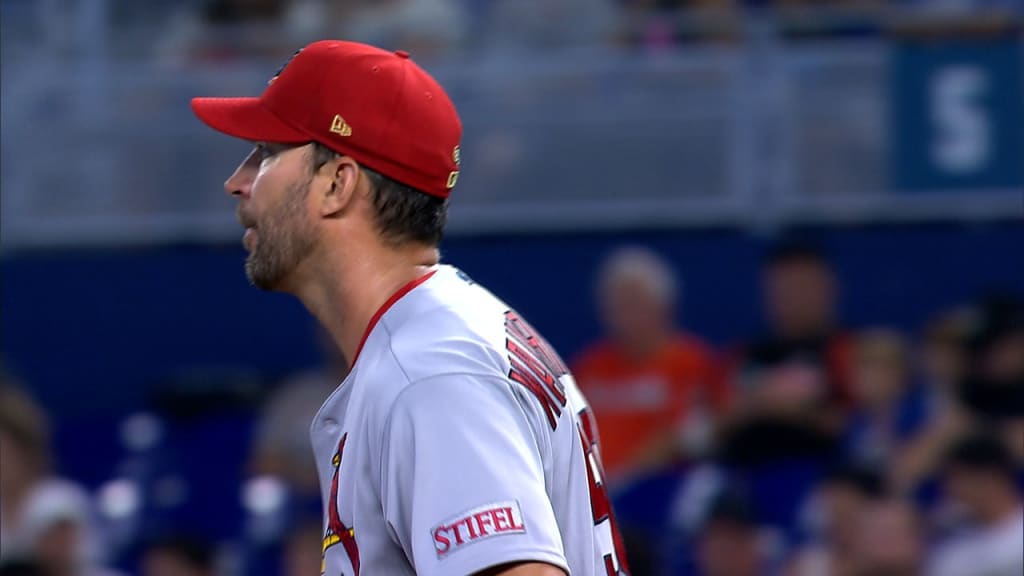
[{"x": 246, "y": 118}]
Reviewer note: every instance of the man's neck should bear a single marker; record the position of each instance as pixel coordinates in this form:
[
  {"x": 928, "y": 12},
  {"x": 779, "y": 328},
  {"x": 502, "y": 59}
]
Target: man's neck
[{"x": 344, "y": 296}]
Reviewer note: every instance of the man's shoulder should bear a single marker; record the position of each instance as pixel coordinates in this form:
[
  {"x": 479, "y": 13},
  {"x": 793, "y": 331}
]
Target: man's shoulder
[
  {"x": 445, "y": 342},
  {"x": 451, "y": 326},
  {"x": 436, "y": 355}
]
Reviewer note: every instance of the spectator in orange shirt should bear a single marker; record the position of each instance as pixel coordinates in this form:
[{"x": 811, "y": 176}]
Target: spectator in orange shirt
[{"x": 651, "y": 387}]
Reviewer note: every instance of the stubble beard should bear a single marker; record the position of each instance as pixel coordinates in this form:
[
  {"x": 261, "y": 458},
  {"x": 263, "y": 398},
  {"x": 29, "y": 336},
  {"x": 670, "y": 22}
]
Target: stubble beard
[{"x": 282, "y": 242}]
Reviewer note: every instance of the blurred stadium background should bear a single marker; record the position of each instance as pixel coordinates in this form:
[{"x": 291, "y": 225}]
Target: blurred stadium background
[{"x": 826, "y": 197}]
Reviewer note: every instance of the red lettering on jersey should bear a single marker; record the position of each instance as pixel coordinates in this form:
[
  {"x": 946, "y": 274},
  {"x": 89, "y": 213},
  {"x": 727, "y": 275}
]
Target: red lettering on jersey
[
  {"x": 337, "y": 531},
  {"x": 520, "y": 374},
  {"x": 483, "y": 519},
  {"x": 512, "y": 526},
  {"x": 536, "y": 366},
  {"x": 600, "y": 503},
  {"x": 526, "y": 334},
  {"x": 441, "y": 542},
  {"x": 499, "y": 520},
  {"x": 551, "y": 383},
  {"x": 480, "y": 523},
  {"x": 599, "y": 500},
  {"x": 458, "y": 536}
]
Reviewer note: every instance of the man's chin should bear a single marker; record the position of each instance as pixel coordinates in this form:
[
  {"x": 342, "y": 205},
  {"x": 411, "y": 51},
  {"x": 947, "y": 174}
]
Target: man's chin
[
  {"x": 261, "y": 279},
  {"x": 262, "y": 285}
]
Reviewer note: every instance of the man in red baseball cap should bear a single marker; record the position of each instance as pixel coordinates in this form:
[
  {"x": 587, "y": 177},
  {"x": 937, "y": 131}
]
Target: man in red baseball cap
[
  {"x": 373, "y": 117},
  {"x": 458, "y": 443}
]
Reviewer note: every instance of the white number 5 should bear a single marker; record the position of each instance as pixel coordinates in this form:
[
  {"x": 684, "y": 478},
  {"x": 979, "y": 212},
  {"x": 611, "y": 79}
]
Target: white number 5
[{"x": 962, "y": 137}]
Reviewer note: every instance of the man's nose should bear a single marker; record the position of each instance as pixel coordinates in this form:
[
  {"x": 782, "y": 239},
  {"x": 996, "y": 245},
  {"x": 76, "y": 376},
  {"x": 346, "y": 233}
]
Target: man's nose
[{"x": 240, "y": 182}]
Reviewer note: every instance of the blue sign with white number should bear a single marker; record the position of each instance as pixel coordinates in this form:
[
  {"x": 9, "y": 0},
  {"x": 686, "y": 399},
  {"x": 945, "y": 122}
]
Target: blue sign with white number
[{"x": 957, "y": 114}]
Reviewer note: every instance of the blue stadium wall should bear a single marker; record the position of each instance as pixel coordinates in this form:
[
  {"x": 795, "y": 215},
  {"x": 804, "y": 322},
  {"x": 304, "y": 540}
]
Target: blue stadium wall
[{"x": 93, "y": 331}]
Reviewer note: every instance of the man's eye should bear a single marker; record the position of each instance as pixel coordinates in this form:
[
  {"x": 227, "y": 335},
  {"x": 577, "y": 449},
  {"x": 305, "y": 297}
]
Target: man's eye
[{"x": 262, "y": 152}]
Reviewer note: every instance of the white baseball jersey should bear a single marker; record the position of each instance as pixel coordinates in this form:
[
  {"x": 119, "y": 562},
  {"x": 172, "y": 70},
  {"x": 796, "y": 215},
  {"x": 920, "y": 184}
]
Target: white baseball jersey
[{"x": 459, "y": 441}]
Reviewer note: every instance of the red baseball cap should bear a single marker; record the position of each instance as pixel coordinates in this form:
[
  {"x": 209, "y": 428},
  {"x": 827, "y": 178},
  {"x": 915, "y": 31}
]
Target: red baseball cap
[{"x": 376, "y": 106}]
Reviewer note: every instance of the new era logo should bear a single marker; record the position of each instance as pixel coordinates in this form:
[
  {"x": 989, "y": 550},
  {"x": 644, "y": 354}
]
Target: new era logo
[
  {"x": 478, "y": 524},
  {"x": 340, "y": 127}
]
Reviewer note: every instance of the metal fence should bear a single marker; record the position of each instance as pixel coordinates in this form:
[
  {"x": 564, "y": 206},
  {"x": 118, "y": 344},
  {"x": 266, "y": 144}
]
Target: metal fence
[{"x": 100, "y": 146}]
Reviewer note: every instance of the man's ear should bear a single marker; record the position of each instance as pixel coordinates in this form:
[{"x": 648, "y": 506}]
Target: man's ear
[{"x": 341, "y": 180}]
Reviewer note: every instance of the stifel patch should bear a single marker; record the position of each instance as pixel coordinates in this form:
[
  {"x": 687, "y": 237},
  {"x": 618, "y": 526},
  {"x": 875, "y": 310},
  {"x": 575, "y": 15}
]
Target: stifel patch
[{"x": 480, "y": 523}]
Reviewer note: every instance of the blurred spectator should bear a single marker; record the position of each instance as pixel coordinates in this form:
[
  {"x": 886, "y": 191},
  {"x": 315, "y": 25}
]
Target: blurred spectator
[
  {"x": 943, "y": 353},
  {"x": 889, "y": 541},
  {"x": 792, "y": 389},
  {"x": 994, "y": 387},
  {"x": 179, "y": 556},
  {"x": 60, "y": 531},
  {"x": 889, "y": 409},
  {"x": 979, "y": 477},
  {"x": 801, "y": 307},
  {"x": 282, "y": 448},
  {"x": 836, "y": 512},
  {"x": 302, "y": 548},
  {"x": 794, "y": 382},
  {"x": 781, "y": 416},
  {"x": 729, "y": 542},
  {"x": 24, "y": 461},
  {"x": 283, "y": 488},
  {"x": 46, "y": 522},
  {"x": 652, "y": 388},
  {"x": 282, "y": 445},
  {"x": 801, "y": 296},
  {"x": 943, "y": 366},
  {"x": 983, "y": 350}
]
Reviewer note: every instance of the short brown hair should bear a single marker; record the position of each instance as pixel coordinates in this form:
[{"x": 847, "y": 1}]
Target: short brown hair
[{"x": 403, "y": 213}]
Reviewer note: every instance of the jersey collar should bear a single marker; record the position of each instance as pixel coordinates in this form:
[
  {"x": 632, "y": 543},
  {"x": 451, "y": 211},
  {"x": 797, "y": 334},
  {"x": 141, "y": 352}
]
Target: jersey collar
[{"x": 385, "y": 307}]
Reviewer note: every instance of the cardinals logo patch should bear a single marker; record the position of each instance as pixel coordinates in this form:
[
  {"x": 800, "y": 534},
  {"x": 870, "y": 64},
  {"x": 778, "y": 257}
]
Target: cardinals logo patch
[{"x": 337, "y": 531}]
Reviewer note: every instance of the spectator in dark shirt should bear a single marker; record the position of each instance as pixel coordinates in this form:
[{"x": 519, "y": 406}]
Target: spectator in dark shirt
[
  {"x": 792, "y": 388},
  {"x": 800, "y": 298},
  {"x": 793, "y": 383}
]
